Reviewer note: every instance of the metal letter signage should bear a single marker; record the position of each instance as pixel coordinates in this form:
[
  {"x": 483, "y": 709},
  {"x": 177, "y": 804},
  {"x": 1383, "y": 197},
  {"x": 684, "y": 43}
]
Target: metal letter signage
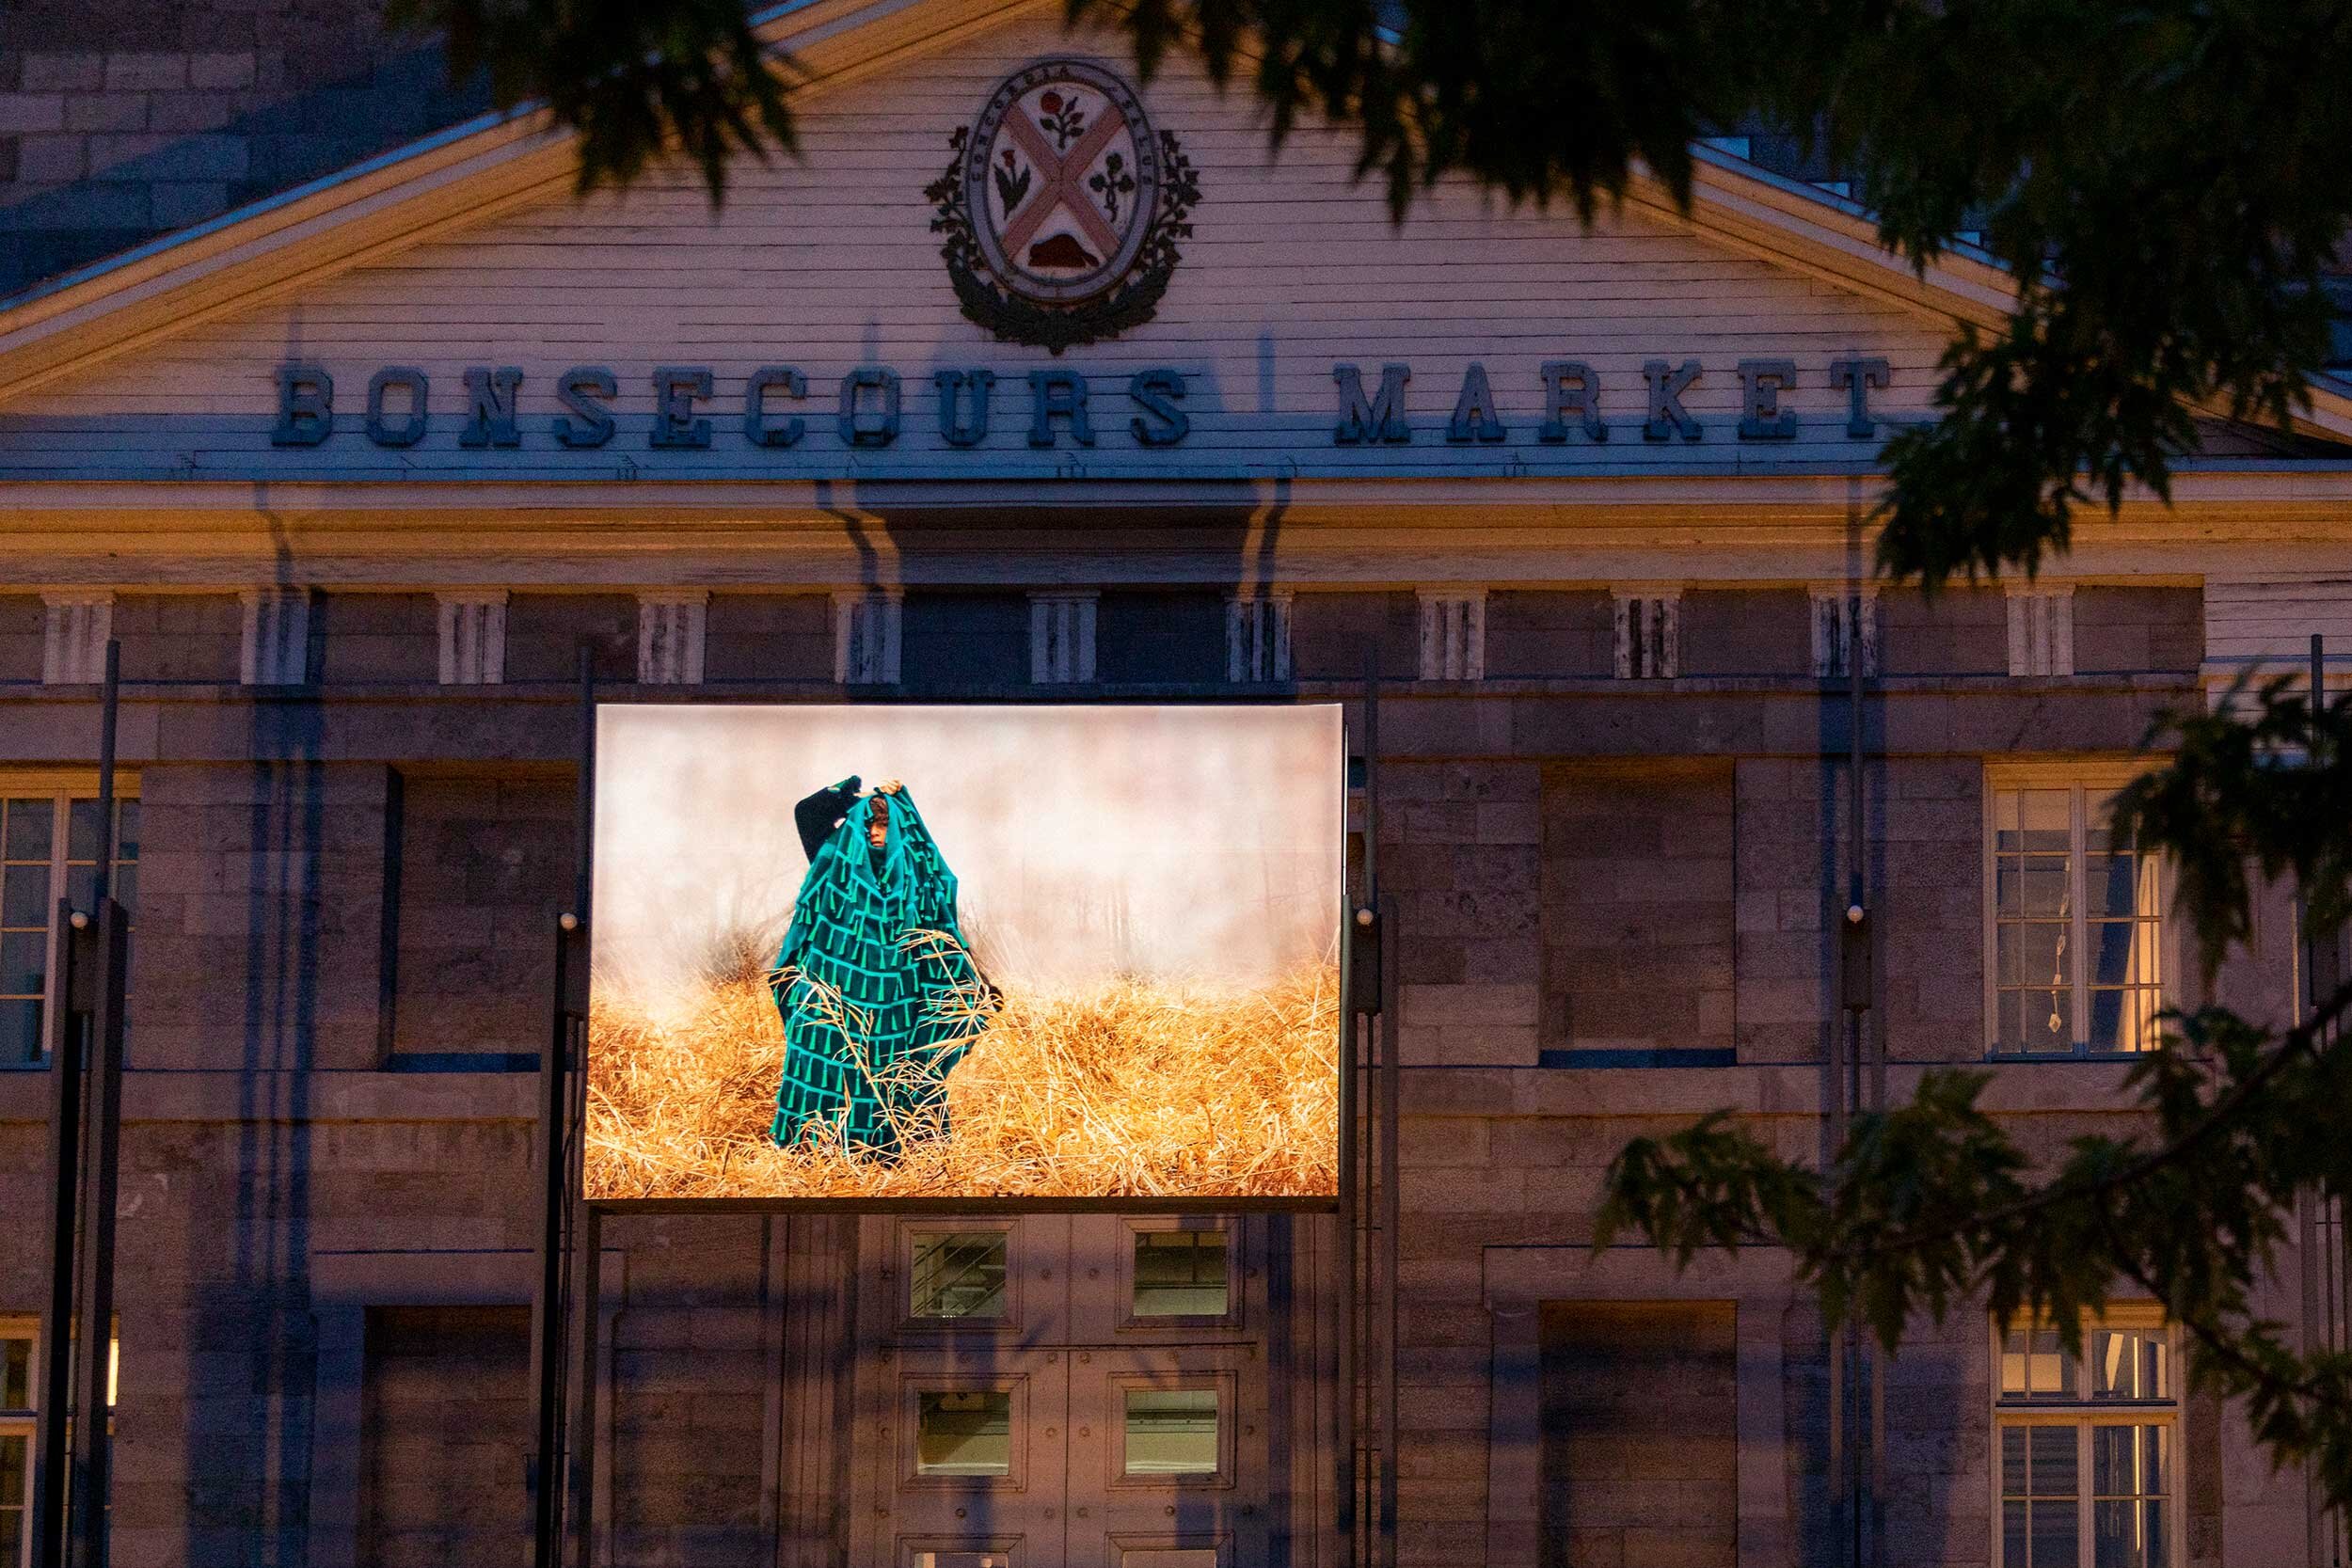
[
  {"x": 1062, "y": 207},
  {"x": 673, "y": 415}
]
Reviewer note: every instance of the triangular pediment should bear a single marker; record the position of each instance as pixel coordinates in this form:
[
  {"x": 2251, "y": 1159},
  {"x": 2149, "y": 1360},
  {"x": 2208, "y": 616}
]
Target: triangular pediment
[{"x": 820, "y": 286}]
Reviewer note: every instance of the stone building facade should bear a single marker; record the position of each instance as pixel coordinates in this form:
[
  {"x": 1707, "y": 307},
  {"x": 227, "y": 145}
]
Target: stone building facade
[{"x": 1614, "y": 729}]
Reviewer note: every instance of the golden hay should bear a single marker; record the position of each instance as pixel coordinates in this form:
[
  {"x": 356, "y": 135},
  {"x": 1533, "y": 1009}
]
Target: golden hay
[{"x": 1131, "y": 1090}]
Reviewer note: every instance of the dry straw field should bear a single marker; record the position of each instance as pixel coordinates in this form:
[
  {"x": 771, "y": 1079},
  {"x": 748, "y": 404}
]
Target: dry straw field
[{"x": 1128, "y": 1090}]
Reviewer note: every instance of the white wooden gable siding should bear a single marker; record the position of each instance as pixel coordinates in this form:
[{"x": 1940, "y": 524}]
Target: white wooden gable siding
[
  {"x": 2265, "y": 623},
  {"x": 829, "y": 263}
]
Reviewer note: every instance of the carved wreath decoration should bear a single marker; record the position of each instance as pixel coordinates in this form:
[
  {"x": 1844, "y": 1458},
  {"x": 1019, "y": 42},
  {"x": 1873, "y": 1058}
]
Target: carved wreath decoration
[{"x": 1016, "y": 319}]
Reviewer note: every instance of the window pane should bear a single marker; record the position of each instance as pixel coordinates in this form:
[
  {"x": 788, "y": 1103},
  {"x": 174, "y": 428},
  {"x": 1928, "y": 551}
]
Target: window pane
[
  {"x": 15, "y": 1459},
  {"x": 2045, "y": 890},
  {"x": 2046, "y": 1022},
  {"x": 2122, "y": 953},
  {"x": 127, "y": 886},
  {"x": 2034, "y": 1368},
  {"x": 1171, "y": 1432},
  {"x": 2013, "y": 1478},
  {"x": 2034, "y": 953},
  {"x": 2117, "y": 885},
  {"x": 25, "y": 896},
  {"x": 2116, "y": 1541},
  {"x": 2130, "y": 1364},
  {"x": 2128, "y": 1461},
  {"x": 2055, "y": 1529},
  {"x": 2098, "y": 806},
  {"x": 16, "y": 1372},
  {"x": 958, "y": 1274},
  {"x": 962, "y": 1560},
  {"x": 2013, "y": 1377},
  {"x": 20, "y": 1030},
  {"x": 29, "y": 829},
  {"x": 2048, "y": 830},
  {"x": 1180, "y": 1274},
  {"x": 2015, "y": 1550},
  {"x": 81, "y": 835},
  {"x": 2051, "y": 1451},
  {"x": 2128, "y": 1468},
  {"x": 126, "y": 830},
  {"x": 963, "y": 1434},
  {"x": 23, "y": 956},
  {"x": 2125, "y": 1020},
  {"x": 2011, "y": 1013}
]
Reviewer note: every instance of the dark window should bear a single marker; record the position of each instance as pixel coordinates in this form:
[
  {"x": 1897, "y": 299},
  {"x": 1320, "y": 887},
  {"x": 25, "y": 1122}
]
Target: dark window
[
  {"x": 959, "y": 642},
  {"x": 446, "y": 1426},
  {"x": 1639, "y": 1434},
  {"x": 1160, "y": 638}
]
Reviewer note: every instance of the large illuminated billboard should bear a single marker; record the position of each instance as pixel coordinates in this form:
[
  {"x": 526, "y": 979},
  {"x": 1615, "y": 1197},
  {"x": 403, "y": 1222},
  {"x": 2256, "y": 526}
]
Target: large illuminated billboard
[{"x": 884, "y": 953}]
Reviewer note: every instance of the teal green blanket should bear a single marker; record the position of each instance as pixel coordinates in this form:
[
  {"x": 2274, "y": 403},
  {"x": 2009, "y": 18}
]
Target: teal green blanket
[{"x": 877, "y": 986}]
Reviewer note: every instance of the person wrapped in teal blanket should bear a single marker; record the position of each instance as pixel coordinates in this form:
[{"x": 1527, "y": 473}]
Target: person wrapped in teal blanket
[{"x": 878, "y": 989}]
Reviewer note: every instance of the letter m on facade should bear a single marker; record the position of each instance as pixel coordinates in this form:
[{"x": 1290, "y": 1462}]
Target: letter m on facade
[{"x": 1381, "y": 420}]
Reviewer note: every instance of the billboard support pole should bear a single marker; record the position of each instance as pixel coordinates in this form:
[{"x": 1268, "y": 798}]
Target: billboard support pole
[
  {"x": 559, "y": 1153},
  {"x": 1390, "y": 1218},
  {"x": 56, "y": 1315},
  {"x": 1364, "y": 994},
  {"x": 105, "y": 942}
]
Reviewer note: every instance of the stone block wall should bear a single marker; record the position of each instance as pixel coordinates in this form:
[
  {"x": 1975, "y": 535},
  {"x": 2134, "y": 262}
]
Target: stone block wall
[
  {"x": 446, "y": 1434},
  {"x": 121, "y": 119},
  {"x": 1174, "y": 636},
  {"x": 768, "y": 637},
  {"x": 376, "y": 638},
  {"x": 965, "y": 639},
  {"x": 2132, "y": 629},
  {"x": 1330, "y": 632},
  {"x": 1766, "y": 632},
  {"x": 1638, "y": 903},
  {"x": 1639, "y": 1434},
  {"x": 24, "y": 620},
  {"x": 544, "y": 633},
  {"x": 484, "y": 869},
  {"x": 260, "y": 919},
  {"x": 1460, "y": 852},
  {"x": 1787, "y": 881},
  {"x": 1962, "y": 631},
  {"x": 179, "y": 637},
  {"x": 1541, "y": 634}
]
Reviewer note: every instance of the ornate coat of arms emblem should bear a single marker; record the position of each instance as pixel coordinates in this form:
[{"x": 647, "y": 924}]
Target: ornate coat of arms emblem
[{"x": 1062, "y": 208}]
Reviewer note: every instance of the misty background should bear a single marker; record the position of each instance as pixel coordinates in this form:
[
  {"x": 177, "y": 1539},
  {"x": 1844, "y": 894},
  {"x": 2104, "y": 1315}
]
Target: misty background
[{"x": 1186, "y": 844}]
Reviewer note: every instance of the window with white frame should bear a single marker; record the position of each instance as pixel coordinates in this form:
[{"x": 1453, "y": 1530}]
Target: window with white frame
[
  {"x": 48, "y": 852},
  {"x": 2087, "y": 1451},
  {"x": 19, "y": 1413},
  {"x": 16, "y": 1440},
  {"x": 2074, "y": 920}
]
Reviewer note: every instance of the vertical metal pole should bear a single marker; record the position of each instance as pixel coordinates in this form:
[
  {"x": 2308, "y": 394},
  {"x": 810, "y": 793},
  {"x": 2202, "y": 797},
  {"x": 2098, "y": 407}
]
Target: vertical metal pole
[
  {"x": 57, "y": 1313},
  {"x": 2325, "y": 972},
  {"x": 580, "y": 1424},
  {"x": 104, "y": 1099},
  {"x": 547, "y": 1313},
  {"x": 107, "y": 978},
  {"x": 1355, "y": 1042},
  {"x": 1390, "y": 1219},
  {"x": 108, "y": 707},
  {"x": 549, "y": 1317},
  {"x": 587, "y": 1223}
]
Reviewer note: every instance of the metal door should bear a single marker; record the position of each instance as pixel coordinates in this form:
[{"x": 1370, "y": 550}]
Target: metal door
[{"x": 1055, "y": 1392}]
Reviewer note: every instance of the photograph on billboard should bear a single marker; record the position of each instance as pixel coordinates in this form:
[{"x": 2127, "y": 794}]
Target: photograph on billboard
[{"x": 884, "y": 952}]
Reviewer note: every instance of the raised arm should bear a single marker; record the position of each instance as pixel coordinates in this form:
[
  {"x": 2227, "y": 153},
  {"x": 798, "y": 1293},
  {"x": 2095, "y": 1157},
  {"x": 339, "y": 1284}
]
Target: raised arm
[{"x": 819, "y": 814}]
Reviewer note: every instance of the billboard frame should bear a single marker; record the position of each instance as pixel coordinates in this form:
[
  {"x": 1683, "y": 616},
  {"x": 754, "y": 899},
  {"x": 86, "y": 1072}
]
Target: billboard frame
[
  {"x": 568, "y": 1290},
  {"x": 949, "y": 1206}
]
